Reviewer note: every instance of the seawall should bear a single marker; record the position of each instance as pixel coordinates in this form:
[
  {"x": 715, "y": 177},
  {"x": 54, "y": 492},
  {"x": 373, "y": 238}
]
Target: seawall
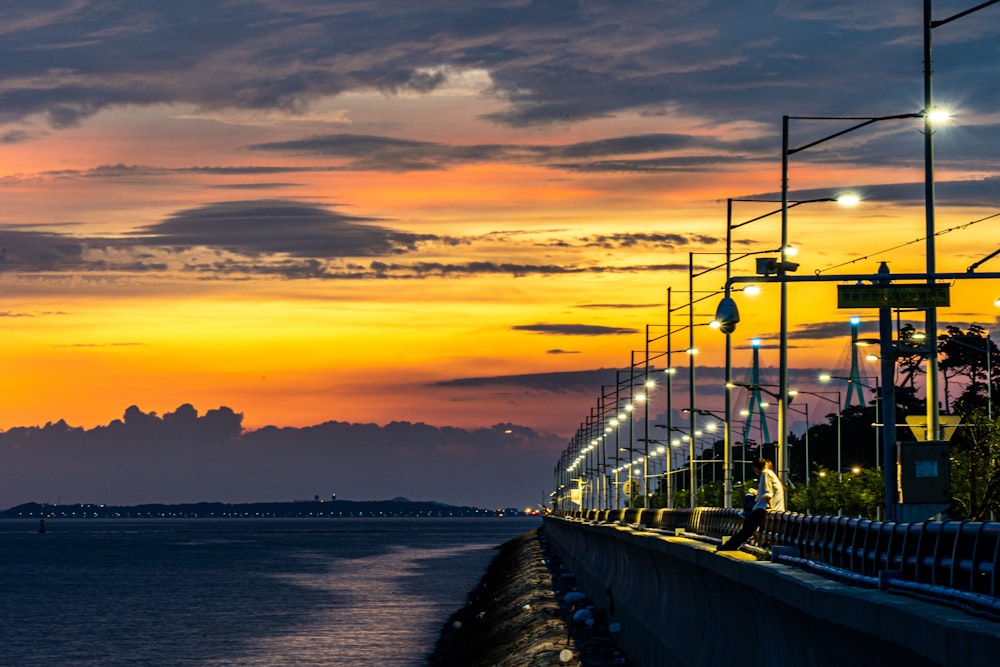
[
  {"x": 518, "y": 617},
  {"x": 680, "y": 603}
]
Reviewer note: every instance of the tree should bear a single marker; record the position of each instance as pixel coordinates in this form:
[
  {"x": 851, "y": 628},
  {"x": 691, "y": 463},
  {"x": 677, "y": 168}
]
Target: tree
[
  {"x": 975, "y": 476},
  {"x": 910, "y": 354},
  {"x": 966, "y": 355}
]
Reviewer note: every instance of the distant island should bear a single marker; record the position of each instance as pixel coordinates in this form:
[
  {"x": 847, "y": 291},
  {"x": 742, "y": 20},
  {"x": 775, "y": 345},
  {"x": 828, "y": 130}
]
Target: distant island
[{"x": 398, "y": 507}]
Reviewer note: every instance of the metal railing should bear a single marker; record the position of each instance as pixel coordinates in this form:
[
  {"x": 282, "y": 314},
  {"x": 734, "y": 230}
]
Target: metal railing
[{"x": 930, "y": 558}]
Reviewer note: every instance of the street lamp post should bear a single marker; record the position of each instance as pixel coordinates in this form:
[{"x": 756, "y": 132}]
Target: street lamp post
[
  {"x": 726, "y": 458},
  {"x": 691, "y": 382},
  {"x": 692, "y": 351},
  {"x": 826, "y": 377},
  {"x": 670, "y": 401},
  {"x": 819, "y": 394},
  {"x": 808, "y": 462},
  {"x": 602, "y": 435},
  {"x": 726, "y": 329},
  {"x": 728, "y": 316},
  {"x": 662, "y": 447},
  {"x": 933, "y": 415},
  {"x": 670, "y": 371},
  {"x": 783, "y": 267}
]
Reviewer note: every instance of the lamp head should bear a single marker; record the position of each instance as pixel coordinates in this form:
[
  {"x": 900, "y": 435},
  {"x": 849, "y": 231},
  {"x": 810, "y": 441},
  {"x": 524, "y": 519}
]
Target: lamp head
[
  {"x": 938, "y": 116},
  {"x": 727, "y": 315}
]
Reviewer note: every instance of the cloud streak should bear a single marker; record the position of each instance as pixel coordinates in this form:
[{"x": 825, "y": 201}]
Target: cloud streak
[
  {"x": 294, "y": 240},
  {"x": 574, "y": 329},
  {"x": 382, "y": 153}
]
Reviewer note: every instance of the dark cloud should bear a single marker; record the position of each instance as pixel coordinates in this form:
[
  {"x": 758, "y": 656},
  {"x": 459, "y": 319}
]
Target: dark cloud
[
  {"x": 618, "y": 240},
  {"x": 558, "y": 382},
  {"x": 679, "y": 163},
  {"x": 300, "y": 269},
  {"x": 14, "y": 137},
  {"x": 376, "y": 153},
  {"x": 635, "y": 145},
  {"x": 379, "y": 270},
  {"x": 184, "y": 456},
  {"x": 41, "y": 251},
  {"x": 277, "y": 226},
  {"x": 550, "y": 62},
  {"x": 254, "y": 186},
  {"x": 634, "y": 239},
  {"x": 381, "y": 153},
  {"x": 574, "y": 329},
  {"x": 113, "y": 171},
  {"x": 824, "y": 330},
  {"x": 979, "y": 193},
  {"x": 267, "y": 238},
  {"x": 622, "y": 306},
  {"x": 440, "y": 269},
  {"x": 47, "y": 313}
]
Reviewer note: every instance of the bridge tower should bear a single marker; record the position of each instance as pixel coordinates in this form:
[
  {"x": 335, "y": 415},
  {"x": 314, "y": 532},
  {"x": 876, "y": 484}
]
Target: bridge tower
[
  {"x": 854, "y": 384},
  {"x": 755, "y": 403}
]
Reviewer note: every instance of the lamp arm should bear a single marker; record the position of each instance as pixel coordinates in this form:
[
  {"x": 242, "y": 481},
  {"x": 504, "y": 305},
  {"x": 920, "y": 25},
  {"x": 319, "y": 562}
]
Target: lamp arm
[
  {"x": 935, "y": 24},
  {"x": 858, "y": 126}
]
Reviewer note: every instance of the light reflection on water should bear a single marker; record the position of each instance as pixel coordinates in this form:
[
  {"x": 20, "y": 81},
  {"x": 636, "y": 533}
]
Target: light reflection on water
[
  {"x": 248, "y": 592},
  {"x": 383, "y": 615}
]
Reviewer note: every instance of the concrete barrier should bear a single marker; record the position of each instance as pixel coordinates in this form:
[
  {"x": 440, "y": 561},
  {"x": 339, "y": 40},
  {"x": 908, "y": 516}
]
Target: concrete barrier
[{"x": 680, "y": 603}]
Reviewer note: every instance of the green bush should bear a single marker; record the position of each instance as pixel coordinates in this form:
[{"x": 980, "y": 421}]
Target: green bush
[{"x": 859, "y": 492}]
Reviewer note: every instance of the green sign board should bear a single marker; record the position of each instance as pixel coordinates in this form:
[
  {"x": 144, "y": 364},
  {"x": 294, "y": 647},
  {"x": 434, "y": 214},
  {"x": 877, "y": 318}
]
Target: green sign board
[{"x": 917, "y": 295}]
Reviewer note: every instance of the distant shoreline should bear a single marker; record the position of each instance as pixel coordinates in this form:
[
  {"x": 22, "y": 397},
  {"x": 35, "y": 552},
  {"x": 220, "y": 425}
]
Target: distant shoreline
[{"x": 277, "y": 510}]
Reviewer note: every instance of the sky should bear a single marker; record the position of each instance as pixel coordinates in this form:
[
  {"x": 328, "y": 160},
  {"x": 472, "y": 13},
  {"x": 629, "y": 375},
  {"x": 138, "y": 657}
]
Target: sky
[{"x": 439, "y": 226}]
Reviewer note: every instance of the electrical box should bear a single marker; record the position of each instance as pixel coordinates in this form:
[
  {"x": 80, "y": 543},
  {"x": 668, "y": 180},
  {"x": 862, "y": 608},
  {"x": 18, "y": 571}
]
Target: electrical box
[{"x": 924, "y": 472}]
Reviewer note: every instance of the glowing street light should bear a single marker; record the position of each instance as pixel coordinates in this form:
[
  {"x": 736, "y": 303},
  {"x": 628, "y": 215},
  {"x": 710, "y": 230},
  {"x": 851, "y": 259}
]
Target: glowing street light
[{"x": 782, "y": 266}]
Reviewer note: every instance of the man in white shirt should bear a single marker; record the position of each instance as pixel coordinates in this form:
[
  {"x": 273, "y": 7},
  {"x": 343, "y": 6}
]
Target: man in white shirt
[{"x": 770, "y": 497}]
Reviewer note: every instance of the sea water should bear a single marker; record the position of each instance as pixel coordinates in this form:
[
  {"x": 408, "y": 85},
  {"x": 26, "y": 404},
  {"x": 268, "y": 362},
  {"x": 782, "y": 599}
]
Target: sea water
[{"x": 237, "y": 592}]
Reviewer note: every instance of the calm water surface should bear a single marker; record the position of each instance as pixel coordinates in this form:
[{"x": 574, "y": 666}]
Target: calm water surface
[{"x": 237, "y": 592}]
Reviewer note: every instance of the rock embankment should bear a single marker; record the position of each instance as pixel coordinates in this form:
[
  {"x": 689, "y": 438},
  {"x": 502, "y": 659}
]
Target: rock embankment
[{"x": 522, "y": 615}]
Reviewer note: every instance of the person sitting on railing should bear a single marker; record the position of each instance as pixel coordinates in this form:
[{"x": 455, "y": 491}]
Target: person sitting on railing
[{"x": 770, "y": 497}]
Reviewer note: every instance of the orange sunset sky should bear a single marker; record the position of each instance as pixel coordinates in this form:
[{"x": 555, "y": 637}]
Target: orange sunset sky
[{"x": 376, "y": 212}]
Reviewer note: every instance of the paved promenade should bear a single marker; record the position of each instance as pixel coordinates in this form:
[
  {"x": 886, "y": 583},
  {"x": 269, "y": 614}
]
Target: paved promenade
[{"x": 681, "y": 603}]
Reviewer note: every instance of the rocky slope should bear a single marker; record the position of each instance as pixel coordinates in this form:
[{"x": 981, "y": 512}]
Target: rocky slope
[{"x": 522, "y": 615}]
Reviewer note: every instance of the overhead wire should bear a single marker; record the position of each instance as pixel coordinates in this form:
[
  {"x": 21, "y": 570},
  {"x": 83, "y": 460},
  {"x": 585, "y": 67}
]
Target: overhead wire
[{"x": 908, "y": 243}]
